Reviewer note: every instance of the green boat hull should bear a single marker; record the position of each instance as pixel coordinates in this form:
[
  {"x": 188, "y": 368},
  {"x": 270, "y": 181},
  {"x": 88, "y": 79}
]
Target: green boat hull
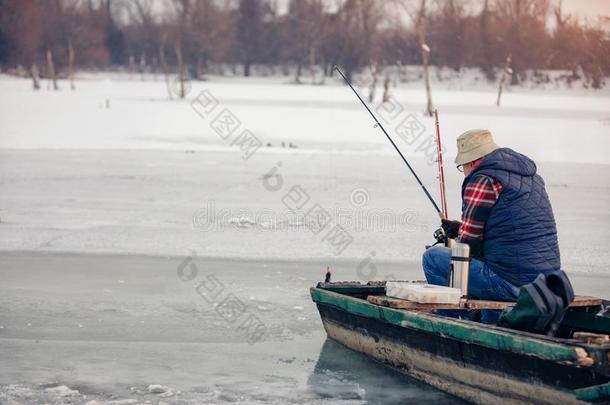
[{"x": 479, "y": 363}]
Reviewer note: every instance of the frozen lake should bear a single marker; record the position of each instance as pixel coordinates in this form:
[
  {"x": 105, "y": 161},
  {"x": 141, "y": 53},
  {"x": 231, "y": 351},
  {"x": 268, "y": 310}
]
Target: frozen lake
[
  {"x": 108, "y": 189},
  {"x": 213, "y": 202},
  {"x": 112, "y": 112},
  {"x": 110, "y": 326}
]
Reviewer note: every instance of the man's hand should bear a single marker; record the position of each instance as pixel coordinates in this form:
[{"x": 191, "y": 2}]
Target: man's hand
[{"x": 451, "y": 228}]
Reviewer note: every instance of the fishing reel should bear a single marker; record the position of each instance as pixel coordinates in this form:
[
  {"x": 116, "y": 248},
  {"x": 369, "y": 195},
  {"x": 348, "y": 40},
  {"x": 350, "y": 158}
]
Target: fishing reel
[{"x": 440, "y": 236}]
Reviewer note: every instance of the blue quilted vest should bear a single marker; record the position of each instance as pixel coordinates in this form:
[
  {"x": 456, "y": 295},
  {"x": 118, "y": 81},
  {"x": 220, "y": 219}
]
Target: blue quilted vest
[{"x": 520, "y": 236}]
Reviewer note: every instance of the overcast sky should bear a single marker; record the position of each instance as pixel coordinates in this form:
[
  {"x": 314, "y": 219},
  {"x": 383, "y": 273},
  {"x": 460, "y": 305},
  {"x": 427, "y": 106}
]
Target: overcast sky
[{"x": 589, "y": 9}]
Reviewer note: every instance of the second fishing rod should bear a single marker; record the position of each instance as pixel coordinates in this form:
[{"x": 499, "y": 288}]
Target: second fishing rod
[{"x": 378, "y": 124}]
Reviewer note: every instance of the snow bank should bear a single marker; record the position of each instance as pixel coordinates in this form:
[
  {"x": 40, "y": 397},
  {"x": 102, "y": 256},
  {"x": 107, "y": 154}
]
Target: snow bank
[{"x": 135, "y": 114}]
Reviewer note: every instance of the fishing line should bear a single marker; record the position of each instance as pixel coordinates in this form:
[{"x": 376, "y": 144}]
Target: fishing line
[{"x": 378, "y": 124}]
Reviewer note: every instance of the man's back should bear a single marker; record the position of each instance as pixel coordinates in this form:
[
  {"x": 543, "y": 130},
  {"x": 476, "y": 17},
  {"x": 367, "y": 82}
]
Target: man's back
[{"x": 520, "y": 235}]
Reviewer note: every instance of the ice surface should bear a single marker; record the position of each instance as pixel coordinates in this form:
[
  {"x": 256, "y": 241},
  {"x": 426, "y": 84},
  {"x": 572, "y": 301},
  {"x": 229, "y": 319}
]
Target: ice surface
[
  {"x": 549, "y": 126},
  {"x": 148, "y": 176},
  {"x": 173, "y": 203},
  {"x": 157, "y": 389},
  {"x": 157, "y": 330},
  {"x": 61, "y": 391}
]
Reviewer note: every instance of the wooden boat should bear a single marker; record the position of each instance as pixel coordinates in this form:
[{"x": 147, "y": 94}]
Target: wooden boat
[{"x": 476, "y": 362}]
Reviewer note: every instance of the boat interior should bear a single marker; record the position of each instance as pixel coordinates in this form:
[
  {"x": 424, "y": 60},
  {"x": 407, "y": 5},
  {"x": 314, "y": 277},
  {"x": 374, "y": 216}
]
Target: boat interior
[{"x": 586, "y": 319}]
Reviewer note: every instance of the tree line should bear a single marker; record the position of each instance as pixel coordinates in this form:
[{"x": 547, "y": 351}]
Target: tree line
[{"x": 195, "y": 36}]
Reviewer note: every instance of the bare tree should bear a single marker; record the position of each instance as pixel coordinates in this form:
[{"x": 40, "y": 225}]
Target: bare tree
[
  {"x": 418, "y": 16},
  {"x": 373, "y": 86},
  {"x": 425, "y": 54},
  {"x": 71, "y": 57},
  {"x": 303, "y": 29},
  {"x": 132, "y": 66},
  {"x": 524, "y": 38},
  {"x": 448, "y": 38},
  {"x": 165, "y": 66},
  {"x": 386, "y": 88},
  {"x": 319, "y": 31},
  {"x": 312, "y": 34},
  {"x": 250, "y": 17},
  {"x": 212, "y": 33},
  {"x": 560, "y": 19},
  {"x": 141, "y": 12},
  {"x": 181, "y": 70},
  {"x": 51, "y": 73},
  {"x": 486, "y": 62},
  {"x": 142, "y": 64},
  {"x": 145, "y": 30},
  {"x": 353, "y": 35},
  {"x": 35, "y": 77},
  {"x": 505, "y": 72}
]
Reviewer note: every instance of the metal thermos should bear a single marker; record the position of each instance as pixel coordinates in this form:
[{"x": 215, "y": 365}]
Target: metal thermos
[{"x": 460, "y": 265}]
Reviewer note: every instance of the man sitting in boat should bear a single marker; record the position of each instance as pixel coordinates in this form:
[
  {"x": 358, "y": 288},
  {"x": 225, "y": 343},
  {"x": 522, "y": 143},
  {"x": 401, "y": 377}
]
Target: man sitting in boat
[{"x": 507, "y": 221}]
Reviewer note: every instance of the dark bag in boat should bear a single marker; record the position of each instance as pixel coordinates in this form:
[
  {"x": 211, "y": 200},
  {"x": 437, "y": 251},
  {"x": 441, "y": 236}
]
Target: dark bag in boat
[
  {"x": 559, "y": 283},
  {"x": 541, "y": 305}
]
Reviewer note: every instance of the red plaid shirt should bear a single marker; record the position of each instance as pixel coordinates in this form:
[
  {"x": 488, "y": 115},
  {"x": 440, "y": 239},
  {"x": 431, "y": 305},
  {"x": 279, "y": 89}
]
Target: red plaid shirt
[{"x": 480, "y": 195}]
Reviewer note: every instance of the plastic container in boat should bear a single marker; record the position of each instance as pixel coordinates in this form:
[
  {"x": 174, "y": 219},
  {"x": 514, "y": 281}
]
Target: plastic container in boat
[{"x": 423, "y": 293}]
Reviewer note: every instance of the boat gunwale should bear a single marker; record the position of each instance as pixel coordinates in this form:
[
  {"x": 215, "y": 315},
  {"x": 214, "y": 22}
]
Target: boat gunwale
[{"x": 545, "y": 347}]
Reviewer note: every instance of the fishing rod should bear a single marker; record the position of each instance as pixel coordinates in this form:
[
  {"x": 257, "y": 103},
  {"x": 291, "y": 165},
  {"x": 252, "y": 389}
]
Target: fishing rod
[
  {"x": 441, "y": 169},
  {"x": 378, "y": 124}
]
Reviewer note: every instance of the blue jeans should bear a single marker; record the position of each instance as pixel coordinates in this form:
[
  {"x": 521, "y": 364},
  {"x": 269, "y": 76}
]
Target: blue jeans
[{"x": 483, "y": 283}]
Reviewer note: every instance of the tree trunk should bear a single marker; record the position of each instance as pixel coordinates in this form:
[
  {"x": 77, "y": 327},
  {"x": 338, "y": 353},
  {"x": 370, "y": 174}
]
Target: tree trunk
[
  {"x": 165, "y": 67},
  {"x": 71, "y": 56},
  {"x": 402, "y": 72},
  {"x": 297, "y": 79},
  {"x": 348, "y": 74},
  {"x": 505, "y": 72},
  {"x": 312, "y": 63},
  {"x": 181, "y": 71},
  {"x": 386, "y": 88},
  {"x": 373, "y": 86},
  {"x": 154, "y": 66},
  {"x": 247, "y": 69},
  {"x": 200, "y": 67},
  {"x": 142, "y": 65},
  {"x": 486, "y": 59},
  {"x": 35, "y": 77},
  {"x": 132, "y": 66},
  {"x": 425, "y": 53},
  {"x": 51, "y": 71}
]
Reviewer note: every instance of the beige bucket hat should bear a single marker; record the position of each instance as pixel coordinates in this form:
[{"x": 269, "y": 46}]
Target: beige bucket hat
[{"x": 474, "y": 144}]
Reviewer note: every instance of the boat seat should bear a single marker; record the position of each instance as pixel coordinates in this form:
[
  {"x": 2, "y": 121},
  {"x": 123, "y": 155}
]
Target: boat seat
[{"x": 581, "y": 301}]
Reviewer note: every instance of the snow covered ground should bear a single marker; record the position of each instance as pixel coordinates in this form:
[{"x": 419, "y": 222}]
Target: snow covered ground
[
  {"x": 117, "y": 167},
  {"x": 134, "y": 182},
  {"x": 123, "y": 114}
]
